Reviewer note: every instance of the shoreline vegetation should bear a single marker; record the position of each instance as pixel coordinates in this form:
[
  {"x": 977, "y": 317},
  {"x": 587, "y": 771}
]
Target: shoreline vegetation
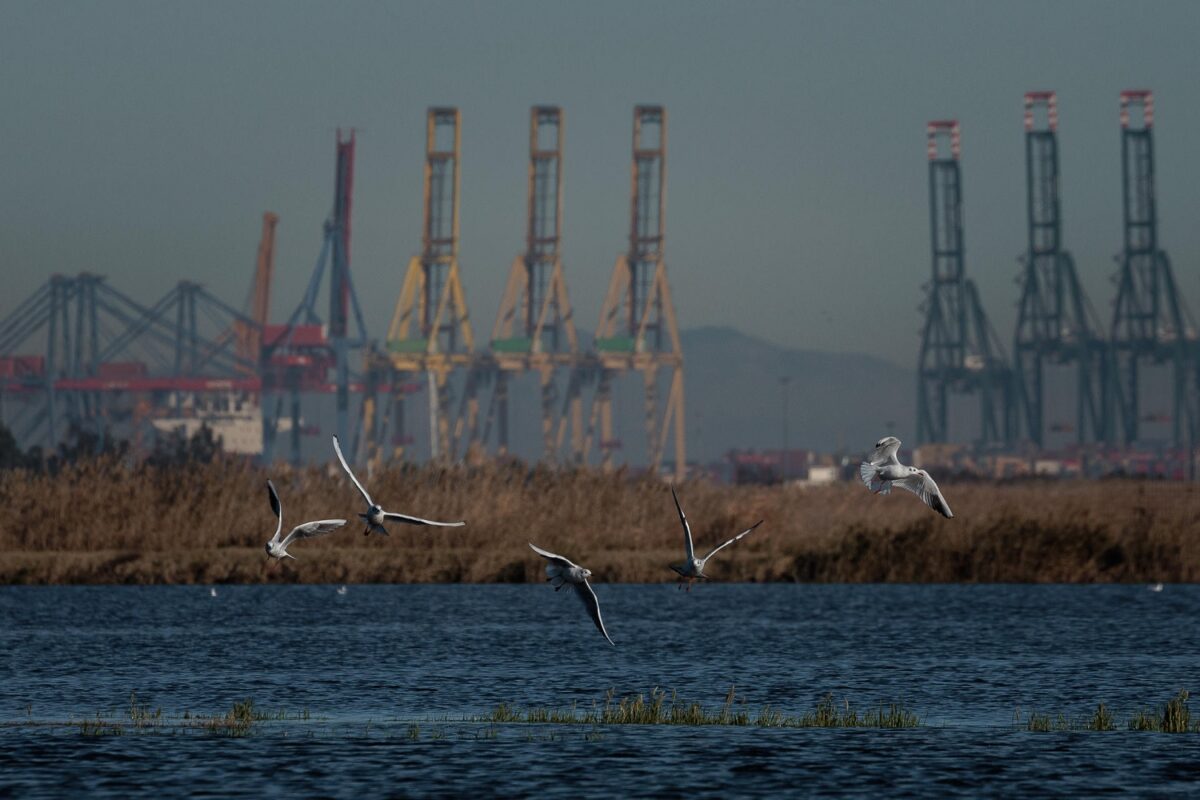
[
  {"x": 100, "y": 521},
  {"x": 661, "y": 708},
  {"x": 657, "y": 708}
]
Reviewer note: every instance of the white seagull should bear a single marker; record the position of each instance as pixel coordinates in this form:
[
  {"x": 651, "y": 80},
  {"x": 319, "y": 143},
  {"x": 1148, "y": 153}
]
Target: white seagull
[
  {"x": 375, "y": 515},
  {"x": 278, "y": 549},
  {"x": 693, "y": 568},
  {"x": 884, "y": 469},
  {"x": 561, "y": 571}
]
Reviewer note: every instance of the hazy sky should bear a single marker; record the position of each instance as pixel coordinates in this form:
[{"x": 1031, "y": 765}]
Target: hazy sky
[{"x": 144, "y": 140}]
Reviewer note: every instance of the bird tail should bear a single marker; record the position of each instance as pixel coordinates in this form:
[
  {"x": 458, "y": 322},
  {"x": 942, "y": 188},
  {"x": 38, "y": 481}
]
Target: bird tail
[{"x": 554, "y": 575}]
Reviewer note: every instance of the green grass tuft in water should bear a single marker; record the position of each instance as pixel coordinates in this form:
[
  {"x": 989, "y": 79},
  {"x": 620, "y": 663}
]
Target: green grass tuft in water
[
  {"x": 661, "y": 708},
  {"x": 1174, "y": 716}
]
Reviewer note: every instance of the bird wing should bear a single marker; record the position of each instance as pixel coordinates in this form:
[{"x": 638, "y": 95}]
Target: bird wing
[
  {"x": 556, "y": 559},
  {"x": 277, "y": 508},
  {"x": 418, "y": 521},
  {"x": 687, "y": 529},
  {"x": 886, "y": 454},
  {"x": 592, "y": 604},
  {"x": 924, "y": 487},
  {"x": 311, "y": 529},
  {"x": 337, "y": 448},
  {"x": 731, "y": 541}
]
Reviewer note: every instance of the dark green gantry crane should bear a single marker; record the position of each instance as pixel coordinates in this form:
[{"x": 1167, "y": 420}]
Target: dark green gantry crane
[
  {"x": 960, "y": 352},
  {"x": 1151, "y": 325},
  {"x": 1056, "y": 323}
]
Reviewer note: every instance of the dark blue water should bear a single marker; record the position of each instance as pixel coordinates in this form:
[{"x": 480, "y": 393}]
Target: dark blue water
[{"x": 368, "y": 664}]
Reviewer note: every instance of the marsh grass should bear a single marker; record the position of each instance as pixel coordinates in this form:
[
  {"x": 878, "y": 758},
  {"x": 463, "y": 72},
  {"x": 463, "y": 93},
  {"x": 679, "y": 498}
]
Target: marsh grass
[
  {"x": 661, "y": 708},
  {"x": 1173, "y": 716},
  {"x": 240, "y": 720},
  {"x": 658, "y": 707},
  {"x": 104, "y": 522}
]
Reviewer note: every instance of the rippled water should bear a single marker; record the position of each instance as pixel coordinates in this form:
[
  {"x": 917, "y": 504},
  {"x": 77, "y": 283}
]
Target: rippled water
[{"x": 368, "y": 664}]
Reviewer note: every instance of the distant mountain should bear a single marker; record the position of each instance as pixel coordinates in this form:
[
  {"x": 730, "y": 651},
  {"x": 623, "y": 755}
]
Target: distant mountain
[{"x": 735, "y": 400}]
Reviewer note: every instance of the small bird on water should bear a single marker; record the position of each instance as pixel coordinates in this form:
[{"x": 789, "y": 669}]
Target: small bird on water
[
  {"x": 884, "y": 469},
  {"x": 278, "y": 549},
  {"x": 561, "y": 571},
  {"x": 692, "y": 569},
  {"x": 376, "y": 516}
]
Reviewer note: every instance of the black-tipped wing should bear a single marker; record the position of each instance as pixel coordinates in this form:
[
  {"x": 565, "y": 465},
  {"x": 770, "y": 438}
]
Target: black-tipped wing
[
  {"x": 337, "y": 448},
  {"x": 310, "y": 529},
  {"x": 687, "y": 529},
  {"x": 405, "y": 518},
  {"x": 585, "y": 593},
  {"x": 924, "y": 487},
  {"x": 276, "y": 508},
  {"x": 551, "y": 557},
  {"x": 723, "y": 545}
]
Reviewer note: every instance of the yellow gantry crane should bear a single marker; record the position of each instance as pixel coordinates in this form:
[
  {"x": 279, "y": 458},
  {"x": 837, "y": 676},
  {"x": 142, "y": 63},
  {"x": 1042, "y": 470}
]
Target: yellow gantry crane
[
  {"x": 637, "y": 331},
  {"x": 430, "y": 333},
  {"x": 535, "y": 329},
  {"x": 430, "y": 336}
]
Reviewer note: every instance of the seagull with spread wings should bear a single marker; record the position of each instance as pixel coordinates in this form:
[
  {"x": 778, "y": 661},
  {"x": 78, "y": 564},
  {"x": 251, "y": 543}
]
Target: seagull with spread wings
[
  {"x": 693, "y": 568},
  {"x": 884, "y": 470},
  {"x": 560, "y": 571},
  {"x": 277, "y": 548},
  {"x": 376, "y": 516}
]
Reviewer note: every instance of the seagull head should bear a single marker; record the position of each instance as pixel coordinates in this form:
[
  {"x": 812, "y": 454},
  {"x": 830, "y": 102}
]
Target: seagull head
[{"x": 587, "y": 573}]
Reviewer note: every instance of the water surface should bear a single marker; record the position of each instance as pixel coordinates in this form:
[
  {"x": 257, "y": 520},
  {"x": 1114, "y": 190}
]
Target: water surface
[{"x": 368, "y": 664}]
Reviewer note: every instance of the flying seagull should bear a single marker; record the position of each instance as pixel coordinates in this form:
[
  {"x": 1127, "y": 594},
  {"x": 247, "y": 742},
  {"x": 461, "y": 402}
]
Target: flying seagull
[
  {"x": 375, "y": 515},
  {"x": 561, "y": 571},
  {"x": 278, "y": 549},
  {"x": 884, "y": 469},
  {"x": 693, "y": 568}
]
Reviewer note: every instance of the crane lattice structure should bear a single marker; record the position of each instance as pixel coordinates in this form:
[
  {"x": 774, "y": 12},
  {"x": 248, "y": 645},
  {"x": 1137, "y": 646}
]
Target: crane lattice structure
[
  {"x": 1056, "y": 323},
  {"x": 637, "y": 331},
  {"x": 298, "y": 356},
  {"x": 535, "y": 328},
  {"x": 960, "y": 352},
  {"x": 430, "y": 333},
  {"x": 1151, "y": 324},
  {"x": 80, "y": 354}
]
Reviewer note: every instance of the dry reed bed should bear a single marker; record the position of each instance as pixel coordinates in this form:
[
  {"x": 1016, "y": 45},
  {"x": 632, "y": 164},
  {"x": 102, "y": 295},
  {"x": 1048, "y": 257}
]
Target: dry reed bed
[{"x": 102, "y": 522}]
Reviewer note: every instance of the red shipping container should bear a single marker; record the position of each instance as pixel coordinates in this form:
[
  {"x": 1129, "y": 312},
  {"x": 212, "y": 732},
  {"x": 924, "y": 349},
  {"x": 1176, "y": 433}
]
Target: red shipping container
[
  {"x": 121, "y": 370},
  {"x": 22, "y": 366},
  {"x": 301, "y": 336}
]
